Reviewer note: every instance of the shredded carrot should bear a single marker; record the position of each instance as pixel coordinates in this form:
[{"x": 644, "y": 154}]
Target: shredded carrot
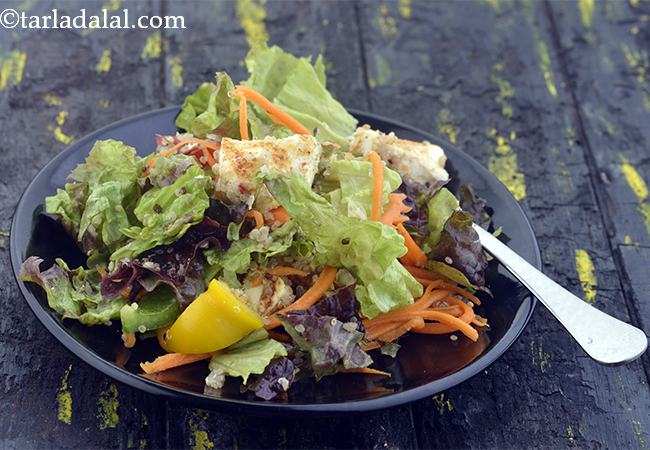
[
  {"x": 415, "y": 253},
  {"x": 128, "y": 339},
  {"x": 271, "y": 109},
  {"x": 283, "y": 271},
  {"x": 313, "y": 294},
  {"x": 258, "y": 281},
  {"x": 280, "y": 215},
  {"x": 366, "y": 370},
  {"x": 171, "y": 360},
  {"x": 393, "y": 214},
  {"x": 392, "y": 335},
  {"x": 257, "y": 216},
  {"x": 458, "y": 290},
  {"x": 417, "y": 272},
  {"x": 280, "y": 337},
  {"x": 243, "y": 117},
  {"x": 166, "y": 153},
  {"x": 450, "y": 320},
  {"x": 367, "y": 346},
  {"x": 208, "y": 156},
  {"x": 377, "y": 185}
]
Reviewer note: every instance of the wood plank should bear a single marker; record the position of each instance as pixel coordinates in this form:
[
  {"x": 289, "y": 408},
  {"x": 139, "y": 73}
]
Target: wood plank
[
  {"x": 62, "y": 95},
  {"x": 304, "y": 28},
  {"x": 606, "y": 58},
  {"x": 486, "y": 75},
  {"x": 637, "y": 283}
]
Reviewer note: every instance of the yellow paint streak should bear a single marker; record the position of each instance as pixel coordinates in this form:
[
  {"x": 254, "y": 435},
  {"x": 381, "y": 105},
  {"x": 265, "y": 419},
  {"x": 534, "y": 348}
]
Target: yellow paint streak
[
  {"x": 177, "y": 71},
  {"x": 445, "y": 122},
  {"x": 586, "y": 8},
  {"x": 570, "y": 435},
  {"x": 545, "y": 66},
  {"x": 200, "y": 438},
  {"x": 405, "y": 8},
  {"x": 506, "y": 91},
  {"x": 586, "y": 275},
  {"x": 64, "y": 398},
  {"x": 442, "y": 403},
  {"x": 638, "y": 62},
  {"x": 112, "y": 5},
  {"x": 251, "y": 15},
  {"x": 152, "y": 46},
  {"x": 107, "y": 406},
  {"x": 104, "y": 103},
  {"x": 644, "y": 209},
  {"x": 504, "y": 165},
  {"x": 634, "y": 180},
  {"x": 387, "y": 23},
  {"x": 11, "y": 70},
  {"x": 383, "y": 72},
  {"x": 52, "y": 100},
  {"x": 634, "y": 3},
  {"x": 495, "y": 4},
  {"x": 539, "y": 356},
  {"x": 57, "y": 130},
  {"x": 104, "y": 64},
  {"x": 638, "y": 432}
]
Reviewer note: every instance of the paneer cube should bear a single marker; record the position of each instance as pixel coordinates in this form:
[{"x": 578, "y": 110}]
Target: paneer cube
[
  {"x": 240, "y": 161},
  {"x": 420, "y": 162}
]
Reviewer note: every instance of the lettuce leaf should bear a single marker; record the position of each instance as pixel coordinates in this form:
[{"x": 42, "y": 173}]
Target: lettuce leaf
[
  {"x": 155, "y": 310},
  {"x": 461, "y": 248},
  {"x": 166, "y": 213},
  {"x": 298, "y": 87},
  {"x": 249, "y": 356},
  {"x": 211, "y": 110},
  {"x": 168, "y": 169},
  {"x": 238, "y": 258},
  {"x": 276, "y": 379},
  {"x": 368, "y": 249},
  {"x": 354, "y": 176},
  {"x": 72, "y": 293},
  {"x": 441, "y": 206},
  {"x": 97, "y": 207}
]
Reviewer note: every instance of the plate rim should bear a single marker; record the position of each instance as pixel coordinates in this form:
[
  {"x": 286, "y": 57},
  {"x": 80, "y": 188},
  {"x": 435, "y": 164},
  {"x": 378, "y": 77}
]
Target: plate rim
[{"x": 134, "y": 381}]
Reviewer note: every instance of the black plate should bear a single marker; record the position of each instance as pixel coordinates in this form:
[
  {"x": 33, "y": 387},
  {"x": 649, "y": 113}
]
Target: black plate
[{"x": 425, "y": 364}]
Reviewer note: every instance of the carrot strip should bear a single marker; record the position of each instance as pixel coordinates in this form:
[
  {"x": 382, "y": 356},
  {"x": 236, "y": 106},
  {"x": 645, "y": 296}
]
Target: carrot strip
[
  {"x": 413, "y": 324},
  {"x": 414, "y": 253},
  {"x": 367, "y": 346},
  {"x": 257, "y": 216},
  {"x": 461, "y": 291},
  {"x": 271, "y": 109},
  {"x": 377, "y": 185},
  {"x": 171, "y": 360},
  {"x": 280, "y": 337},
  {"x": 418, "y": 272},
  {"x": 283, "y": 271},
  {"x": 243, "y": 118},
  {"x": 365, "y": 370},
  {"x": 452, "y": 321},
  {"x": 280, "y": 215},
  {"x": 208, "y": 156},
  {"x": 394, "y": 209},
  {"x": 129, "y": 339},
  {"x": 313, "y": 294}
]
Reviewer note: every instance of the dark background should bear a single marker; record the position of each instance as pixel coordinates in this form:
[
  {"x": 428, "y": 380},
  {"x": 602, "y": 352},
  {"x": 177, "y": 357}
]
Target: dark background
[{"x": 554, "y": 97}]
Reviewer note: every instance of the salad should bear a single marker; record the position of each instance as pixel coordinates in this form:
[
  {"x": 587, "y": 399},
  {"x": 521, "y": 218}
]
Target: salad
[{"x": 272, "y": 236}]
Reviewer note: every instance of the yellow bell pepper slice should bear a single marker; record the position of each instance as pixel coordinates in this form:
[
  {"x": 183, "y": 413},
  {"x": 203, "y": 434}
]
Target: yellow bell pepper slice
[{"x": 215, "y": 320}]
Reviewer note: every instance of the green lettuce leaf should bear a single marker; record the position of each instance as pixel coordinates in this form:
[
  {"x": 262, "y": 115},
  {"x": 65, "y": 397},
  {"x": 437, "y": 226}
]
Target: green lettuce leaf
[
  {"x": 97, "y": 207},
  {"x": 211, "y": 110},
  {"x": 368, "y": 249},
  {"x": 168, "y": 169},
  {"x": 166, "y": 213},
  {"x": 298, "y": 87},
  {"x": 249, "y": 356},
  {"x": 238, "y": 258},
  {"x": 73, "y": 293},
  {"x": 354, "y": 178},
  {"x": 441, "y": 206}
]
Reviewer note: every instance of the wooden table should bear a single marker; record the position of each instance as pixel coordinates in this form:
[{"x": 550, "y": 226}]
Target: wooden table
[{"x": 553, "y": 97}]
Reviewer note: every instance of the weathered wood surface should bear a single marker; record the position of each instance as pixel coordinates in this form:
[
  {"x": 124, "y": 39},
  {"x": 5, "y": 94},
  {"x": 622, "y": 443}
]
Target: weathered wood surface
[{"x": 552, "y": 97}]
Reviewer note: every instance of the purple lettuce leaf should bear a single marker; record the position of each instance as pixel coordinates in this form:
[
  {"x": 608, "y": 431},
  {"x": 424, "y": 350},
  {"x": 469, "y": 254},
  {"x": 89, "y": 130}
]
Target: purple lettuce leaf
[
  {"x": 417, "y": 198},
  {"x": 276, "y": 379},
  {"x": 475, "y": 205},
  {"x": 460, "y": 247}
]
